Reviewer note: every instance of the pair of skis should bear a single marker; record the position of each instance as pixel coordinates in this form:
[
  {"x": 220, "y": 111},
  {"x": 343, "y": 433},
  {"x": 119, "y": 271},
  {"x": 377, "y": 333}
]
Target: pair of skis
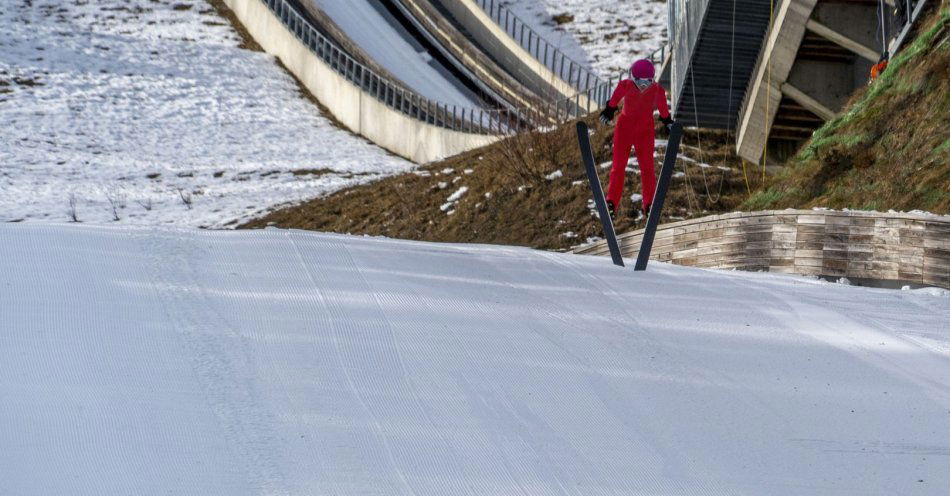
[{"x": 669, "y": 161}]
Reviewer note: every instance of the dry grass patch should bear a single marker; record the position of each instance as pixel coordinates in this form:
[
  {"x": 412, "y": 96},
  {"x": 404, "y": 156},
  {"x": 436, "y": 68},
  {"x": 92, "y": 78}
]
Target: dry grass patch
[{"x": 511, "y": 193}]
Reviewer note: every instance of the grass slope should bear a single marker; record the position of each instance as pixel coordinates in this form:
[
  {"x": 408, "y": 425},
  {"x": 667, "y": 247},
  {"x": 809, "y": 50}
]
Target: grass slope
[
  {"x": 511, "y": 196},
  {"x": 890, "y": 149}
]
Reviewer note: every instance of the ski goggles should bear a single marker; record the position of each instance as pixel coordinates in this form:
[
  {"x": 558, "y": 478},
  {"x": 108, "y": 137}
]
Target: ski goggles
[{"x": 643, "y": 83}]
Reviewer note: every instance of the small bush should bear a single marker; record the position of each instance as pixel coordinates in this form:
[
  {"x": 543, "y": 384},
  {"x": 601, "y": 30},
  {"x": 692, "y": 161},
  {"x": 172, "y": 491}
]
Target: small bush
[
  {"x": 186, "y": 197},
  {"x": 71, "y": 211}
]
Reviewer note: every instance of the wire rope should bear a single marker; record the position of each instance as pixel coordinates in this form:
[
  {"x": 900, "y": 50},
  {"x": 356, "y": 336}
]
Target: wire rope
[{"x": 768, "y": 91}]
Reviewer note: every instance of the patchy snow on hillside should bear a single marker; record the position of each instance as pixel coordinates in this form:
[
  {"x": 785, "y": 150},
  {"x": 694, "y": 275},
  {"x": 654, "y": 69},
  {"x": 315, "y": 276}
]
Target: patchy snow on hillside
[
  {"x": 605, "y": 35},
  {"x": 181, "y": 361},
  {"x": 150, "y": 113}
]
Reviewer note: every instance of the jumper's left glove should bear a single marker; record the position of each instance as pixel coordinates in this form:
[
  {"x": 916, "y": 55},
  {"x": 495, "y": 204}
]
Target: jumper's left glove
[
  {"x": 607, "y": 114},
  {"x": 667, "y": 121}
]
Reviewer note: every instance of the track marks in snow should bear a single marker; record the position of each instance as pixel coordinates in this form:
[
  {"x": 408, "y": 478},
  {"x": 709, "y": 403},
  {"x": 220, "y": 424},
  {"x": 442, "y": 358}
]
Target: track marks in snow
[
  {"x": 365, "y": 349},
  {"x": 221, "y": 361}
]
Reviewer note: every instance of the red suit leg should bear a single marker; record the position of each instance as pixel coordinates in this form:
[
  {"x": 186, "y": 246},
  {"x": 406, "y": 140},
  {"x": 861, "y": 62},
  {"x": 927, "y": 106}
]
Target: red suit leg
[
  {"x": 644, "y": 143},
  {"x": 623, "y": 141}
]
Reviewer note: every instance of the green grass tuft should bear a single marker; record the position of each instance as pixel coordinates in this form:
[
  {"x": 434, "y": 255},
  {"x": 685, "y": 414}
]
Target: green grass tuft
[
  {"x": 944, "y": 147},
  {"x": 885, "y": 82},
  {"x": 764, "y": 200}
]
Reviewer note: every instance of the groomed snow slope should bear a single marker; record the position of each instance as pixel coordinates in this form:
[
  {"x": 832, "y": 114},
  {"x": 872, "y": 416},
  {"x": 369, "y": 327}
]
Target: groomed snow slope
[{"x": 138, "y": 361}]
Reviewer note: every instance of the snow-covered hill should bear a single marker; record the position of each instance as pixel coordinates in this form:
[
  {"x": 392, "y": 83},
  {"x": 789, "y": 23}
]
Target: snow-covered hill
[
  {"x": 606, "y": 35},
  {"x": 137, "y": 361},
  {"x": 146, "y": 106}
]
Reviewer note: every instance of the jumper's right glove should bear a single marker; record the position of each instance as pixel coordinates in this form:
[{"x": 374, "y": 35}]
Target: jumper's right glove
[
  {"x": 607, "y": 114},
  {"x": 667, "y": 121}
]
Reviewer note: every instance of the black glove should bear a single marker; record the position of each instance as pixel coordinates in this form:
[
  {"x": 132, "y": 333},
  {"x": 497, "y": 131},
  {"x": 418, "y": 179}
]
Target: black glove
[
  {"x": 607, "y": 114},
  {"x": 667, "y": 121}
]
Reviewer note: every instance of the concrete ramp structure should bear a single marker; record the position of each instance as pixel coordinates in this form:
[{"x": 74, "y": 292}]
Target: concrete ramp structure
[
  {"x": 777, "y": 70},
  {"x": 404, "y": 113},
  {"x": 817, "y": 54},
  {"x": 535, "y": 62}
]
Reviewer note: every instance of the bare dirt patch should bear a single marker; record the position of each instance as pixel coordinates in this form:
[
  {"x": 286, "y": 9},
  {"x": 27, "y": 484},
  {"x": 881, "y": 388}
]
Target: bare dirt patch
[{"x": 247, "y": 41}]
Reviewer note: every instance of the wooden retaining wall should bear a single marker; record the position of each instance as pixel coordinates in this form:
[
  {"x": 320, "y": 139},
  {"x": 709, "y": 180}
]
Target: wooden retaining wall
[{"x": 898, "y": 247}]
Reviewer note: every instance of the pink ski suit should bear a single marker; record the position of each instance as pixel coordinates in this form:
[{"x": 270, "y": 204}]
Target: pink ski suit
[{"x": 635, "y": 129}]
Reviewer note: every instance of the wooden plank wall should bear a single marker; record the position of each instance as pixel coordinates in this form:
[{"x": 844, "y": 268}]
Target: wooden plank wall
[{"x": 867, "y": 245}]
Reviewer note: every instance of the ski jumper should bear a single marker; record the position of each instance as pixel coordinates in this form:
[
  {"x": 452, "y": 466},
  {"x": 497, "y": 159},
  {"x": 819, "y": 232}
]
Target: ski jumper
[{"x": 635, "y": 129}]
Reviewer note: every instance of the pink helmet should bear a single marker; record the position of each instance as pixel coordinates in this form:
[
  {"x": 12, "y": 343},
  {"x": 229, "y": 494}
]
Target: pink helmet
[{"x": 642, "y": 69}]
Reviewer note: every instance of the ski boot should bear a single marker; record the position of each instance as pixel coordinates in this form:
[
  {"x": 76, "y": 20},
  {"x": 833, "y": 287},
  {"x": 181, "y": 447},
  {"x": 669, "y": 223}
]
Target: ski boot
[{"x": 640, "y": 216}]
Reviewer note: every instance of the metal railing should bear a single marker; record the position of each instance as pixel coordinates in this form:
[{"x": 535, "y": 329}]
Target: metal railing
[
  {"x": 659, "y": 55},
  {"x": 553, "y": 58},
  {"x": 449, "y": 116},
  {"x": 686, "y": 20},
  {"x": 904, "y": 15}
]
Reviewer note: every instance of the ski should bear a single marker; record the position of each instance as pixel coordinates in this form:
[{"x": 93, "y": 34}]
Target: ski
[
  {"x": 653, "y": 220},
  {"x": 583, "y": 138}
]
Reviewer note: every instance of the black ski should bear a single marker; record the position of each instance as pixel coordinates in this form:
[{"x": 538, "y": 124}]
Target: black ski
[
  {"x": 669, "y": 161},
  {"x": 583, "y": 138}
]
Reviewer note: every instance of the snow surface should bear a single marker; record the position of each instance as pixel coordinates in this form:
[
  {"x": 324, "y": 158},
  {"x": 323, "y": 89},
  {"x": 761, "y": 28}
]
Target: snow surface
[
  {"x": 168, "y": 361},
  {"x": 390, "y": 44},
  {"x": 604, "y": 35},
  {"x": 135, "y": 100}
]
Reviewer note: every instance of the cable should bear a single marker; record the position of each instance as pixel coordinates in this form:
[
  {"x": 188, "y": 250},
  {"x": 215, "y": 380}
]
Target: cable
[
  {"x": 768, "y": 91},
  {"x": 882, "y": 27},
  {"x": 699, "y": 145},
  {"x": 732, "y": 63}
]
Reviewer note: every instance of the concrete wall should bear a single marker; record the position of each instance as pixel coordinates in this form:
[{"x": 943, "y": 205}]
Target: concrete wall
[
  {"x": 831, "y": 83},
  {"x": 361, "y": 113},
  {"x": 775, "y": 63},
  {"x": 509, "y": 54},
  {"x": 804, "y": 77},
  {"x": 851, "y": 20},
  {"x": 901, "y": 248}
]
